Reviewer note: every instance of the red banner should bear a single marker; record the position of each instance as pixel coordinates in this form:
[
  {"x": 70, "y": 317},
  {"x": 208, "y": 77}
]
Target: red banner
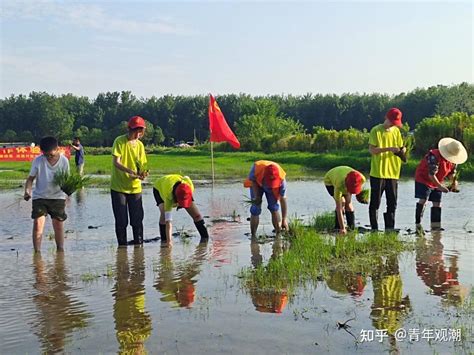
[{"x": 26, "y": 153}]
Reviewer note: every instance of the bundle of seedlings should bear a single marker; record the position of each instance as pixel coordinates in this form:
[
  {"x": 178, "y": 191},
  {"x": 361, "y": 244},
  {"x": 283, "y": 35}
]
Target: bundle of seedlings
[
  {"x": 364, "y": 196},
  {"x": 69, "y": 182}
]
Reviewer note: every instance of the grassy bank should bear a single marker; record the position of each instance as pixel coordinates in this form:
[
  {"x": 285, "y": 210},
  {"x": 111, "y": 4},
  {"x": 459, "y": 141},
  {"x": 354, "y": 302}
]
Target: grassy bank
[{"x": 228, "y": 165}]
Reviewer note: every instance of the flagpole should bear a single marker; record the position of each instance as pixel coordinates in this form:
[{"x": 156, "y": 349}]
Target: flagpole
[{"x": 212, "y": 162}]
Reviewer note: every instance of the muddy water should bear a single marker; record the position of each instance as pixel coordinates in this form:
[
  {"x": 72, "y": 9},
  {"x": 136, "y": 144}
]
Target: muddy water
[{"x": 189, "y": 300}]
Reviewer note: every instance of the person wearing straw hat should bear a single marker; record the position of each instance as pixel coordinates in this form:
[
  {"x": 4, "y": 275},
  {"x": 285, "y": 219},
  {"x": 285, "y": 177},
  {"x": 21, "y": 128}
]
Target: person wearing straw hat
[
  {"x": 435, "y": 166},
  {"x": 386, "y": 148},
  {"x": 341, "y": 183},
  {"x": 267, "y": 177}
]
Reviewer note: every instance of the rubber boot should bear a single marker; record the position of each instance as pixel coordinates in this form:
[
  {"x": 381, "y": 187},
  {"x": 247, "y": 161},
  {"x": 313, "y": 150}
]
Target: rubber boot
[
  {"x": 436, "y": 217},
  {"x": 201, "y": 227},
  {"x": 389, "y": 218},
  {"x": 163, "y": 232},
  {"x": 373, "y": 216},
  {"x": 420, "y": 208},
  {"x": 336, "y": 222},
  {"x": 137, "y": 235},
  {"x": 350, "y": 218},
  {"x": 121, "y": 234}
]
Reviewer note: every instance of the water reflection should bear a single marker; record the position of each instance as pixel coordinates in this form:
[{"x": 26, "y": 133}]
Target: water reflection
[
  {"x": 176, "y": 282},
  {"x": 268, "y": 300},
  {"x": 132, "y": 321},
  {"x": 347, "y": 282},
  {"x": 389, "y": 307},
  {"x": 59, "y": 313},
  {"x": 439, "y": 273}
]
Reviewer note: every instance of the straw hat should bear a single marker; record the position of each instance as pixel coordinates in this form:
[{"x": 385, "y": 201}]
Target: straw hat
[{"x": 452, "y": 150}]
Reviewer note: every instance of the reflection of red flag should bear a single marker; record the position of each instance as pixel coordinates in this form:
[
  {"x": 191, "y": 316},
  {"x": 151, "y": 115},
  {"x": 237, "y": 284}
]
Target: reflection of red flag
[{"x": 220, "y": 130}]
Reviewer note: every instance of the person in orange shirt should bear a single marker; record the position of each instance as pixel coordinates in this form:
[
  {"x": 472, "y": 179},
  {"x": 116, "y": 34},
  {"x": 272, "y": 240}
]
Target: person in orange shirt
[{"x": 267, "y": 177}]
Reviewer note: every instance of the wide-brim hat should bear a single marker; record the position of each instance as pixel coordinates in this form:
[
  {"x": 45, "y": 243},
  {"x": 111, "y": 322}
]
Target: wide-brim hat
[{"x": 452, "y": 150}]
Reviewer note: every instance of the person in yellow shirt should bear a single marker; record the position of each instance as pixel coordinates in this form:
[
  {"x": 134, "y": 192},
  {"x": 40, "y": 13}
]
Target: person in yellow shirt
[
  {"x": 341, "y": 182},
  {"x": 386, "y": 148},
  {"x": 176, "y": 191},
  {"x": 267, "y": 177},
  {"x": 129, "y": 168}
]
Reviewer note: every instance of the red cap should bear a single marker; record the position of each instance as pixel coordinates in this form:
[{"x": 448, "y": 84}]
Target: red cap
[
  {"x": 271, "y": 176},
  {"x": 354, "y": 182},
  {"x": 184, "y": 195},
  {"x": 394, "y": 115},
  {"x": 136, "y": 122}
]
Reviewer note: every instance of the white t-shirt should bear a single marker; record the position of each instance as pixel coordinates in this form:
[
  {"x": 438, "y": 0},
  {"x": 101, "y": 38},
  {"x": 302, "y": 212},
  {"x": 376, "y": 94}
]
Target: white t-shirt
[{"x": 44, "y": 173}]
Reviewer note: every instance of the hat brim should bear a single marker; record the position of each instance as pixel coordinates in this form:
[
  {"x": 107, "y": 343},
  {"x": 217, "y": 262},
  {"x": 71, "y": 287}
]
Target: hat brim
[{"x": 459, "y": 158}]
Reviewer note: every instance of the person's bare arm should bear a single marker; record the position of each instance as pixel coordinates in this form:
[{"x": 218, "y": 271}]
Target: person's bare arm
[{"x": 28, "y": 187}]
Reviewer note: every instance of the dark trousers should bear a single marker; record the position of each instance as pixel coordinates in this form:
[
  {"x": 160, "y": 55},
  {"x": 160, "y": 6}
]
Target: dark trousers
[
  {"x": 378, "y": 187},
  {"x": 124, "y": 205}
]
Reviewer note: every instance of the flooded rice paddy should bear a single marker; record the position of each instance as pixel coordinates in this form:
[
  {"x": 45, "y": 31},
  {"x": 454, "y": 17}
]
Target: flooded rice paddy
[{"x": 188, "y": 299}]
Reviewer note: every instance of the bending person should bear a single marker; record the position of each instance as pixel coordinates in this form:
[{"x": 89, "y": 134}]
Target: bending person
[{"x": 176, "y": 191}]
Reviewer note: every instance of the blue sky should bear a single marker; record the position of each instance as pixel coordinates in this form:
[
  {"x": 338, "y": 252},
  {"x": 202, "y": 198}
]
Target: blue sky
[{"x": 197, "y": 47}]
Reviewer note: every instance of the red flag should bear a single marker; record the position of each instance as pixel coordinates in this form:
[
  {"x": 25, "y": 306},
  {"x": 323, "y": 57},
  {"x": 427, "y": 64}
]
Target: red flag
[{"x": 220, "y": 130}]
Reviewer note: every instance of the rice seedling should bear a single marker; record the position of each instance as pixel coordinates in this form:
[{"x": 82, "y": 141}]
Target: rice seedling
[
  {"x": 323, "y": 221},
  {"x": 89, "y": 277},
  {"x": 364, "y": 196},
  {"x": 313, "y": 256},
  {"x": 69, "y": 182}
]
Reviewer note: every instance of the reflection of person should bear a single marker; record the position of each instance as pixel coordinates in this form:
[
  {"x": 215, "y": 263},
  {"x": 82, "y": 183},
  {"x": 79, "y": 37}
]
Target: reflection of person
[
  {"x": 389, "y": 305},
  {"x": 341, "y": 182},
  {"x": 129, "y": 168},
  {"x": 435, "y": 166},
  {"x": 386, "y": 148},
  {"x": 267, "y": 300},
  {"x": 132, "y": 322},
  {"x": 176, "y": 283},
  {"x": 346, "y": 282},
  {"x": 47, "y": 196},
  {"x": 78, "y": 155},
  {"x": 59, "y": 314},
  {"x": 176, "y": 191},
  {"x": 267, "y": 177},
  {"x": 432, "y": 269}
]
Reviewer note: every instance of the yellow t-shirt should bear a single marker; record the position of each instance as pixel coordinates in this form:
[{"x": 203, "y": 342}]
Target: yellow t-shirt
[
  {"x": 165, "y": 185},
  {"x": 337, "y": 177},
  {"x": 132, "y": 155},
  {"x": 385, "y": 165}
]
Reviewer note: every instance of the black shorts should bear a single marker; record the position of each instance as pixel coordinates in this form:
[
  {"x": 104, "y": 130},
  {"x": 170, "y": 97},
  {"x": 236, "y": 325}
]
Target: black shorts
[
  {"x": 54, "y": 207},
  {"x": 330, "y": 189},
  {"x": 427, "y": 193},
  {"x": 156, "y": 195}
]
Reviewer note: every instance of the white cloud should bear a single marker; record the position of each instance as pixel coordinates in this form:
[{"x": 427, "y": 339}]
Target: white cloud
[{"x": 89, "y": 16}]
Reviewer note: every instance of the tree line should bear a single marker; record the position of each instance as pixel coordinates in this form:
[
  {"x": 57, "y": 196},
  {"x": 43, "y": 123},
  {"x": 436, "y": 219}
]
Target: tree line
[{"x": 258, "y": 120}]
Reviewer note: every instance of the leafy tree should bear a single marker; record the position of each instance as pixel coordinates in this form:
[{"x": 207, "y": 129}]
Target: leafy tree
[{"x": 9, "y": 136}]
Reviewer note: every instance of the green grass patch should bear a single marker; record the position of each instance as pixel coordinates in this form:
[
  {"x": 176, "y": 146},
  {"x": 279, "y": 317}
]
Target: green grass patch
[
  {"x": 196, "y": 163},
  {"x": 313, "y": 256}
]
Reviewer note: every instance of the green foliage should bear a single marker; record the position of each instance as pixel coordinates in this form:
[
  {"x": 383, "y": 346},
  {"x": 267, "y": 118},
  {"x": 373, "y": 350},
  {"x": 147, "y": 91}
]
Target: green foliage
[
  {"x": 185, "y": 117},
  {"x": 458, "y": 125},
  {"x": 330, "y": 139},
  {"x": 9, "y": 136},
  {"x": 261, "y": 131},
  {"x": 69, "y": 182},
  {"x": 312, "y": 255}
]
